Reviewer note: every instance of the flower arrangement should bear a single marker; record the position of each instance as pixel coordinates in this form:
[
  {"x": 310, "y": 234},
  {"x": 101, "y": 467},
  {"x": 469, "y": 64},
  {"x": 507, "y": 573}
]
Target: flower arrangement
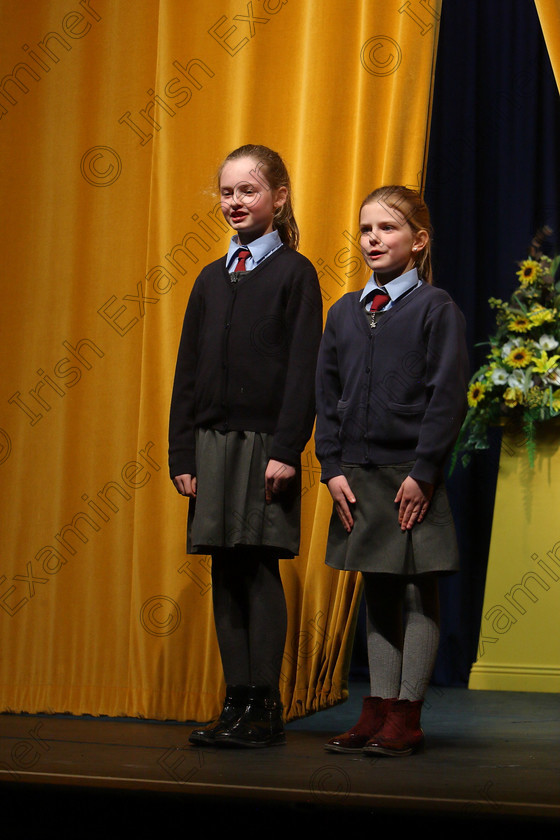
[{"x": 519, "y": 383}]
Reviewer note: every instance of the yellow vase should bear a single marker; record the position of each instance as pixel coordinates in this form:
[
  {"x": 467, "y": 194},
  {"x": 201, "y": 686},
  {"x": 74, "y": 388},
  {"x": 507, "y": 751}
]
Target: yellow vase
[{"x": 519, "y": 641}]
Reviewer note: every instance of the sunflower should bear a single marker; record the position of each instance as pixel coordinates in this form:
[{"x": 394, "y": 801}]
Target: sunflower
[
  {"x": 520, "y": 324},
  {"x": 475, "y": 393},
  {"x": 519, "y": 357},
  {"x": 528, "y": 272}
]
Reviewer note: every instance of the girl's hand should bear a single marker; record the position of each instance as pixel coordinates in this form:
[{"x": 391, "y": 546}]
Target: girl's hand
[
  {"x": 276, "y": 478},
  {"x": 186, "y": 485},
  {"x": 342, "y": 497},
  {"x": 414, "y": 499}
]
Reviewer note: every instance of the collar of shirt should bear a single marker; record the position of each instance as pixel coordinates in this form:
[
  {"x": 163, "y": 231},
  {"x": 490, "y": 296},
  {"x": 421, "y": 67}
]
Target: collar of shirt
[
  {"x": 395, "y": 288},
  {"x": 260, "y": 249}
]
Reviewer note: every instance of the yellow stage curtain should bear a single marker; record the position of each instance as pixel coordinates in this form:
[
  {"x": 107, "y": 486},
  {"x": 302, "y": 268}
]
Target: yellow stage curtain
[
  {"x": 549, "y": 16},
  {"x": 114, "y": 117}
]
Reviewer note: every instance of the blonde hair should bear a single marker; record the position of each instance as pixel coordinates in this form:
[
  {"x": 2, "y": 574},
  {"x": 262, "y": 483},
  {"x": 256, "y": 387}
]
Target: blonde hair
[
  {"x": 276, "y": 174},
  {"x": 412, "y": 207}
]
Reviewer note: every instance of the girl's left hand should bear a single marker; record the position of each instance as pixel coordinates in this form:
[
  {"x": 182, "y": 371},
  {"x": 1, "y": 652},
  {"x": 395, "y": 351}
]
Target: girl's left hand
[
  {"x": 276, "y": 478},
  {"x": 414, "y": 499}
]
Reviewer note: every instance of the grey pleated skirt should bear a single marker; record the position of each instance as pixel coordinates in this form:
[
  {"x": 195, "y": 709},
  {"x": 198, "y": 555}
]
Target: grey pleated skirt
[
  {"x": 230, "y": 508},
  {"x": 376, "y": 542}
]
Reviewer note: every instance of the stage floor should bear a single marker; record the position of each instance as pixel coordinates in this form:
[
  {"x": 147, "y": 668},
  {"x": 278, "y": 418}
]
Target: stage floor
[{"x": 490, "y": 758}]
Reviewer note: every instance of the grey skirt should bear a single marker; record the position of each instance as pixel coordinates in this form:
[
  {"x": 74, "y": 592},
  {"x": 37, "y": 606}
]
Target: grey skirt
[
  {"x": 230, "y": 509},
  {"x": 376, "y": 542}
]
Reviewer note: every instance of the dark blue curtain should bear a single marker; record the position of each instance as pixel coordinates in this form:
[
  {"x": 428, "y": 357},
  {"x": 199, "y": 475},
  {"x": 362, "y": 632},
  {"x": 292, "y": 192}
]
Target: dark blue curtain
[{"x": 493, "y": 179}]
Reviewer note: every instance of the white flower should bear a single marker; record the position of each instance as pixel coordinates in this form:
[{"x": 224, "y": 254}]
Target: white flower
[
  {"x": 519, "y": 379},
  {"x": 553, "y": 377},
  {"x": 499, "y": 376},
  {"x": 547, "y": 342}
]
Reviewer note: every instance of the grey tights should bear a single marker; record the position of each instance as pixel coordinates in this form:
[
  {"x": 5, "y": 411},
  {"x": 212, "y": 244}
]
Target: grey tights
[{"x": 402, "y": 633}]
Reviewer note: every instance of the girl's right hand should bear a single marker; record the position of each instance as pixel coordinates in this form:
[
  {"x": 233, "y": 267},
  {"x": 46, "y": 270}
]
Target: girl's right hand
[
  {"x": 342, "y": 497},
  {"x": 186, "y": 485}
]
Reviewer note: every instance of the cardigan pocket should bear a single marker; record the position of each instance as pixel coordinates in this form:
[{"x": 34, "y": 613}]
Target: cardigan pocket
[
  {"x": 352, "y": 427},
  {"x": 401, "y": 423},
  {"x": 406, "y": 408}
]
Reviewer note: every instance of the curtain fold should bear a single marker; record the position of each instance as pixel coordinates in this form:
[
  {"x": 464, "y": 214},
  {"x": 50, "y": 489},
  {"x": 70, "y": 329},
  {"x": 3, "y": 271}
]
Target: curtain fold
[
  {"x": 549, "y": 16},
  {"x": 114, "y": 119}
]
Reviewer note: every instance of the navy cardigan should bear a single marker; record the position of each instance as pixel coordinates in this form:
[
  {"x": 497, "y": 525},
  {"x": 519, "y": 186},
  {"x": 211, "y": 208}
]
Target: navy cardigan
[{"x": 394, "y": 393}]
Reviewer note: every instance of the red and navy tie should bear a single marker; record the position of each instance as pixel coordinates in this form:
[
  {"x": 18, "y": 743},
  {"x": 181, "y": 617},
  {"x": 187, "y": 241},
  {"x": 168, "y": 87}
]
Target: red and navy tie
[
  {"x": 241, "y": 257},
  {"x": 379, "y": 300}
]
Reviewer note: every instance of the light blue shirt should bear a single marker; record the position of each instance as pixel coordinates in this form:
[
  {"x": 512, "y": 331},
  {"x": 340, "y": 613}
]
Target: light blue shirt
[
  {"x": 260, "y": 249},
  {"x": 395, "y": 288}
]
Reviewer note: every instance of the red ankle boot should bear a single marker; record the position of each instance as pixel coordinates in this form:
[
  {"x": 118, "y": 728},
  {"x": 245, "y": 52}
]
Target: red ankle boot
[
  {"x": 371, "y": 720},
  {"x": 401, "y": 733}
]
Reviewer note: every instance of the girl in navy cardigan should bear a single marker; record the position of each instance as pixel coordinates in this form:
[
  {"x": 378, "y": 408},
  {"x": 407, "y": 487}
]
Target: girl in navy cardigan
[{"x": 391, "y": 397}]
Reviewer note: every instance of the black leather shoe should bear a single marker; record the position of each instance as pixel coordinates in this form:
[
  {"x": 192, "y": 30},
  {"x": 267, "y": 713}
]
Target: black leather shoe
[
  {"x": 260, "y": 725},
  {"x": 234, "y": 705}
]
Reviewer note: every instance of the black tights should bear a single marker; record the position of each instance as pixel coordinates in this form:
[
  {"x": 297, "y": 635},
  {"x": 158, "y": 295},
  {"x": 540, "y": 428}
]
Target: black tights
[{"x": 250, "y": 615}]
